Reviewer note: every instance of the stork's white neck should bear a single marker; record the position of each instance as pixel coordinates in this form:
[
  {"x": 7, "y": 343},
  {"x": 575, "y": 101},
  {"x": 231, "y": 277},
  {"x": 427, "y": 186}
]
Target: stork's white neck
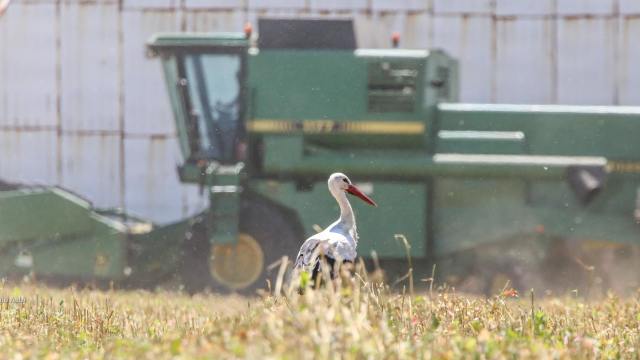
[{"x": 346, "y": 212}]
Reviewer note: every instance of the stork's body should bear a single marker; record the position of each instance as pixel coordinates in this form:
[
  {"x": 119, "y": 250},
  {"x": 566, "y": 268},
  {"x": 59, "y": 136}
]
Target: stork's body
[{"x": 338, "y": 242}]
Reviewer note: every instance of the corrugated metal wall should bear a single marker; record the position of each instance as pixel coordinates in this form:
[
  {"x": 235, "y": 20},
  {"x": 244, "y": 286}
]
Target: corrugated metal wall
[{"x": 81, "y": 106}]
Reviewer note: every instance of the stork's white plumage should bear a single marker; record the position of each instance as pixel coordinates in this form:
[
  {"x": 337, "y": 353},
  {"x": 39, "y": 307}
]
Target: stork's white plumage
[{"x": 339, "y": 240}]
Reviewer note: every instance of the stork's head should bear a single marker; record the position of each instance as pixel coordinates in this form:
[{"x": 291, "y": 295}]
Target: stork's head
[{"x": 340, "y": 182}]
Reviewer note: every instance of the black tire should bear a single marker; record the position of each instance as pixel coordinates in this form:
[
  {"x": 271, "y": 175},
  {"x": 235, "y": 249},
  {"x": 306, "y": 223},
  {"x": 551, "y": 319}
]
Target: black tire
[
  {"x": 194, "y": 262},
  {"x": 267, "y": 224},
  {"x": 275, "y": 232}
]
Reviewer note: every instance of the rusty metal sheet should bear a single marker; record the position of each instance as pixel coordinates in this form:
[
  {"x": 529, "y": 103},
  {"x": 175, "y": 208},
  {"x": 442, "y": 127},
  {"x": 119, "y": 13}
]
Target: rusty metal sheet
[
  {"x": 586, "y": 63},
  {"x": 416, "y": 31},
  {"x": 524, "y": 7},
  {"x": 469, "y": 39},
  {"x": 90, "y": 94},
  {"x": 32, "y": 2},
  {"x": 207, "y": 21},
  {"x": 585, "y": 7},
  {"x": 33, "y": 157},
  {"x": 399, "y": 5},
  {"x": 28, "y": 89},
  {"x": 629, "y": 75},
  {"x": 462, "y": 6},
  {"x": 524, "y": 60},
  {"x": 337, "y": 5},
  {"x": 90, "y": 166},
  {"x": 375, "y": 30},
  {"x": 367, "y": 32},
  {"x": 218, "y": 4},
  {"x": 4, "y": 86},
  {"x": 629, "y": 7},
  {"x": 152, "y": 187},
  {"x": 277, "y": 4},
  {"x": 146, "y": 104},
  {"x": 253, "y": 15},
  {"x": 150, "y": 4}
]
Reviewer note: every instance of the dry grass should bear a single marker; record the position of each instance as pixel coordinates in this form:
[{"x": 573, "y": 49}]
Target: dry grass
[{"x": 359, "y": 320}]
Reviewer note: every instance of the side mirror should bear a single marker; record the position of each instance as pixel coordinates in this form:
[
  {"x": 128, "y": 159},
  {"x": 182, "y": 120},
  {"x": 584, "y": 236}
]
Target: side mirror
[{"x": 586, "y": 181}]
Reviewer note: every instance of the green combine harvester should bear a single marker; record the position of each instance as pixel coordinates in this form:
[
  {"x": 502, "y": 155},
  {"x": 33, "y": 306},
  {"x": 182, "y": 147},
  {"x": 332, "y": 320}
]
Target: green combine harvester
[{"x": 542, "y": 196}]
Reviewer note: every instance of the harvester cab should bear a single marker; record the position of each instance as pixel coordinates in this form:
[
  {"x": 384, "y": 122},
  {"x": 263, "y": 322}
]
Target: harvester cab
[{"x": 206, "y": 78}]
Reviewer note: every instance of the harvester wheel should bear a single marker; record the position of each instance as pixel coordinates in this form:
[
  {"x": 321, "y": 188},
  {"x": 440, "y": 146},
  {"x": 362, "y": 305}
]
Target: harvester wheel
[
  {"x": 265, "y": 236},
  {"x": 274, "y": 233},
  {"x": 237, "y": 266}
]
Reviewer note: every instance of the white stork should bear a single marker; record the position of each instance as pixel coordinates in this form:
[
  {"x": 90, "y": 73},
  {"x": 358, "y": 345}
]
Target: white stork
[{"x": 339, "y": 240}]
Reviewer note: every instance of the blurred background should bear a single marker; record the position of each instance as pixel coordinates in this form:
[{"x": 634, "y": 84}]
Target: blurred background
[{"x": 81, "y": 106}]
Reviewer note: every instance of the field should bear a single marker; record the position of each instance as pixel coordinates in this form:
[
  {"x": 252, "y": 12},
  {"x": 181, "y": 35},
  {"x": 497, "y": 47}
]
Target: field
[{"x": 354, "y": 320}]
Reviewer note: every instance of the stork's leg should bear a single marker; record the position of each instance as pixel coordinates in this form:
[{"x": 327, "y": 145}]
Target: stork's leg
[
  {"x": 317, "y": 270},
  {"x": 326, "y": 261}
]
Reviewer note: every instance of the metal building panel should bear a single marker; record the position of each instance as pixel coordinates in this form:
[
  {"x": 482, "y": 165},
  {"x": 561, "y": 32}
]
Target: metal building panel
[
  {"x": 629, "y": 7},
  {"x": 146, "y": 103},
  {"x": 367, "y": 32},
  {"x": 586, "y": 64},
  {"x": 468, "y": 39},
  {"x": 524, "y": 7},
  {"x": 28, "y": 88},
  {"x": 150, "y": 4},
  {"x": 193, "y": 200},
  {"x": 417, "y": 29},
  {"x": 524, "y": 60},
  {"x": 400, "y": 5},
  {"x": 152, "y": 187},
  {"x": 584, "y": 7},
  {"x": 253, "y": 15},
  {"x": 29, "y": 156},
  {"x": 91, "y": 167},
  {"x": 90, "y": 94},
  {"x": 32, "y": 2},
  {"x": 4, "y": 53},
  {"x": 209, "y": 21},
  {"x": 217, "y": 4},
  {"x": 337, "y": 5},
  {"x": 629, "y": 52},
  {"x": 376, "y": 29},
  {"x": 277, "y": 4},
  {"x": 462, "y": 6}
]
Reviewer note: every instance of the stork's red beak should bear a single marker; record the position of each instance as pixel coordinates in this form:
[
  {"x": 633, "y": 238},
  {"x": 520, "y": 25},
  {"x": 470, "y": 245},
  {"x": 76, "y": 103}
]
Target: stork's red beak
[{"x": 355, "y": 191}]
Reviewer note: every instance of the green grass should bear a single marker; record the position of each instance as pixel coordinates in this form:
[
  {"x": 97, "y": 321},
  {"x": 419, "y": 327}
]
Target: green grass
[{"x": 359, "y": 320}]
